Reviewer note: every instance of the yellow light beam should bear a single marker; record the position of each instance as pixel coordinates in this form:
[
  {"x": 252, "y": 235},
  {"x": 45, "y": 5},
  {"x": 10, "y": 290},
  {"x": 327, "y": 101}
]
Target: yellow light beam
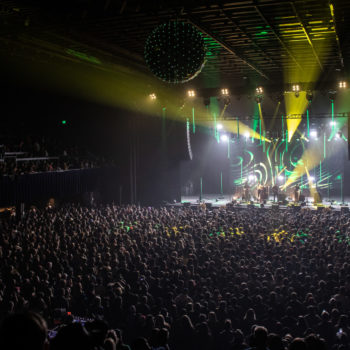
[
  {"x": 231, "y": 127},
  {"x": 311, "y": 184},
  {"x": 261, "y": 117},
  {"x": 311, "y": 158},
  {"x": 294, "y": 106}
]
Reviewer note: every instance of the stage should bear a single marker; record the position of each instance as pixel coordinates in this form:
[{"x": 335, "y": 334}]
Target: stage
[{"x": 221, "y": 200}]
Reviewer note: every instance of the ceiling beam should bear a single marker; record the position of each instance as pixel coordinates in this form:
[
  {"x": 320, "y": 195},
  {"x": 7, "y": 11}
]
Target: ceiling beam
[
  {"x": 340, "y": 54},
  {"x": 307, "y": 35},
  {"x": 225, "y": 45},
  {"x": 272, "y": 28},
  {"x": 253, "y": 41}
]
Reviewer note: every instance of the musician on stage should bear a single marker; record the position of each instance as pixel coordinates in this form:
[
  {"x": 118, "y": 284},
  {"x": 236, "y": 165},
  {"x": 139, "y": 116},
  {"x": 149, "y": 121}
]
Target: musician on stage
[
  {"x": 263, "y": 196},
  {"x": 259, "y": 191},
  {"x": 275, "y": 192},
  {"x": 246, "y": 192},
  {"x": 296, "y": 193}
]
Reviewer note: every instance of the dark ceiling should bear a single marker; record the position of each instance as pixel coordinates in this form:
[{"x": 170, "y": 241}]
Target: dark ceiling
[{"x": 261, "y": 41}]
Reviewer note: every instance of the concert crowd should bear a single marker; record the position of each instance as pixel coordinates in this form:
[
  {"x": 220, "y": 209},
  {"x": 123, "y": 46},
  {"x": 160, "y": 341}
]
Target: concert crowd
[
  {"x": 175, "y": 278},
  {"x": 29, "y": 155}
]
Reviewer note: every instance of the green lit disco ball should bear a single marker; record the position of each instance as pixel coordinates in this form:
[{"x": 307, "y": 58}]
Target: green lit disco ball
[{"x": 175, "y": 52}]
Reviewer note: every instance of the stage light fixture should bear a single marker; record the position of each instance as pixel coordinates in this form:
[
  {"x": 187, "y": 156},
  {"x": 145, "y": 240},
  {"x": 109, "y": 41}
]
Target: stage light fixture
[
  {"x": 219, "y": 126},
  {"x": 258, "y": 99},
  {"x": 246, "y": 135},
  {"x": 342, "y": 84},
  {"x": 280, "y": 97},
  {"x": 259, "y": 90},
  {"x": 313, "y": 134},
  {"x": 296, "y": 88},
  {"x": 152, "y": 96},
  {"x": 191, "y": 93},
  {"x": 226, "y": 100},
  {"x": 224, "y": 92},
  {"x": 280, "y": 177},
  {"x": 333, "y": 123},
  {"x": 311, "y": 178},
  {"x": 309, "y": 95},
  {"x": 224, "y": 138},
  {"x": 332, "y": 94},
  {"x": 338, "y": 135}
]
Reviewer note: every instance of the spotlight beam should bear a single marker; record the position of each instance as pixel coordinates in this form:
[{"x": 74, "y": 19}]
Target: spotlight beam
[
  {"x": 261, "y": 117},
  {"x": 295, "y": 108},
  {"x": 225, "y": 45},
  {"x": 310, "y": 181}
]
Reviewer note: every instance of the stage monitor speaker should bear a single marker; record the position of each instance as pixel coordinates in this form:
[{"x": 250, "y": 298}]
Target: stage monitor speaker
[{"x": 344, "y": 209}]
